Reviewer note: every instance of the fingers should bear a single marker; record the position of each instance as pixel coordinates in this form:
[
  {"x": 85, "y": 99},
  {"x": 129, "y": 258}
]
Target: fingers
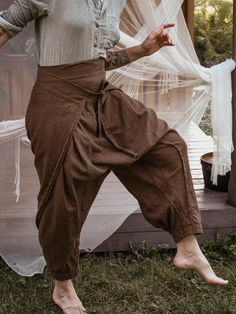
[
  {"x": 162, "y": 35},
  {"x": 169, "y": 39},
  {"x": 164, "y": 26},
  {"x": 168, "y": 25},
  {"x": 164, "y": 38},
  {"x": 167, "y": 43},
  {"x": 161, "y": 28}
]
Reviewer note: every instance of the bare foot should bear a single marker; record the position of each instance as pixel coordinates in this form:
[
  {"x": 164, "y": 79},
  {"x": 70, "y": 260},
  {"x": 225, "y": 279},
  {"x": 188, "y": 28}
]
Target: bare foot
[
  {"x": 65, "y": 296},
  {"x": 189, "y": 256}
]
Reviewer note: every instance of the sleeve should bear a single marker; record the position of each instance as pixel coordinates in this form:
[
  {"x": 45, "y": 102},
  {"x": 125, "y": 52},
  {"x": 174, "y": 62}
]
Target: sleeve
[
  {"x": 15, "y": 18},
  {"x": 122, "y": 5}
]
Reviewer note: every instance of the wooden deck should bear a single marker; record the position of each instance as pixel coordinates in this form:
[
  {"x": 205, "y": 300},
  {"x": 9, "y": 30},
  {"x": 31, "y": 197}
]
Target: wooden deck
[{"x": 218, "y": 216}]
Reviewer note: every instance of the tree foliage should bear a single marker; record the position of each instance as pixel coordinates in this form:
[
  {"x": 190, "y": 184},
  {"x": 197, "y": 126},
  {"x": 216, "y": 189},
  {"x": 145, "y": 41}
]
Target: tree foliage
[{"x": 213, "y": 30}]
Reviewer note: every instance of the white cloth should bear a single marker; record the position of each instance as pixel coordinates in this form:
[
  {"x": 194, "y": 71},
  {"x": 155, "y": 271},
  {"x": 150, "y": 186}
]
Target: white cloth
[
  {"x": 98, "y": 4},
  {"x": 221, "y": 117},
  {"x": 66, "y": 33}
]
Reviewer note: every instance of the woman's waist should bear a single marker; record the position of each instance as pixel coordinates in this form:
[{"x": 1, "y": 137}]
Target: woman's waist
[{"x": 66, "y": 79}]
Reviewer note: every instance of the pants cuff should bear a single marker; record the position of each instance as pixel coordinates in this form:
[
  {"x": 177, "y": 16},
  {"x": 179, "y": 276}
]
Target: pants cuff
[
  {"x": 66, "y": 276},
  {"x": 186, "y": 230}
]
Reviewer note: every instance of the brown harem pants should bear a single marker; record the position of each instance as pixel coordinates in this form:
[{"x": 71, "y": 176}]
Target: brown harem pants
[{"x": 81, "y": 127}]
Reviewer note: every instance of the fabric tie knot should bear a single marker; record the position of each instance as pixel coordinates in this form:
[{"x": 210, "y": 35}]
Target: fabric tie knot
[{"x": 103, "y": 92}]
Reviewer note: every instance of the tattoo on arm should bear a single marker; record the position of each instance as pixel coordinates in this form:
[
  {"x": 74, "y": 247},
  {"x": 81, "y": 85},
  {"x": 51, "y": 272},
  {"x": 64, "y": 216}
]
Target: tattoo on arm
[{"x": 116, "y": 59}]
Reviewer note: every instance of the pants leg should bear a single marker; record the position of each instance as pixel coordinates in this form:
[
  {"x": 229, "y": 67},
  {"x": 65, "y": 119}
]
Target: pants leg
[
  {"x": 64, "y": 216},
  {"x": 161, "y": 181}
]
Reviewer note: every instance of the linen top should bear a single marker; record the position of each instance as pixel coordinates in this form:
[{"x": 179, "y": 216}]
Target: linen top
[{"x": 66, "y": 31}]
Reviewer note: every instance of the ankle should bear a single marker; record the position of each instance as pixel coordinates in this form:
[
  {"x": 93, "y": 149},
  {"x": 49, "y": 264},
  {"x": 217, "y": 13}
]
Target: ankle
[
  {"x": 65, "y": 285},
  {"x": 188, "y": 243},
  {"x": 188, "y": 239}
]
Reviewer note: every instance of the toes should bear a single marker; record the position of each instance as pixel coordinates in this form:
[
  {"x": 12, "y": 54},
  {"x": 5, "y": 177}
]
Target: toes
[
  {"x": 217, "y": 281},
  {"x": 212, "y": 279}
]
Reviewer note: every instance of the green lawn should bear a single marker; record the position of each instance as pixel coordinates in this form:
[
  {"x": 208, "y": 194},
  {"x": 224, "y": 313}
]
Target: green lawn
[{"x": 135, "y": 282}]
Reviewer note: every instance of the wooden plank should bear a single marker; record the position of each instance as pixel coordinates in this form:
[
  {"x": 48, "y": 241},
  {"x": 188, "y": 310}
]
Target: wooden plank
[
  {"x": 214, "y": 215},
  {"x": 218, "y": 216},
  {"x": 119, "y": 241},
  {"x": 232, "y": 181},
  {"x": 188, "y": 10}
]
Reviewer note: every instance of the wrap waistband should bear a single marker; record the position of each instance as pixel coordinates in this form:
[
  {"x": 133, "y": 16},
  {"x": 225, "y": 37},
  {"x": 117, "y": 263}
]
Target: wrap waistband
[{"x": 90, "y": 71}]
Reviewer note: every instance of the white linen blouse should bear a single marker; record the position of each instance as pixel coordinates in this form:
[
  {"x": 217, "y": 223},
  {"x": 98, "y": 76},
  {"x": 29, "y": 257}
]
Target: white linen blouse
[{"x": 66, "y": 31}]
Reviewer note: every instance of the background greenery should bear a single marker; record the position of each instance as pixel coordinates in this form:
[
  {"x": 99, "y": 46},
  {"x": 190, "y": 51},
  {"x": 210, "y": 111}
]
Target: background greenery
[{"x": 213, "y": 30}]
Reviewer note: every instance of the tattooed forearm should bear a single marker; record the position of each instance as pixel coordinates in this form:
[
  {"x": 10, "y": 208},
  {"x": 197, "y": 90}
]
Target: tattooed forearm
[{"x": 116, "y": 59}]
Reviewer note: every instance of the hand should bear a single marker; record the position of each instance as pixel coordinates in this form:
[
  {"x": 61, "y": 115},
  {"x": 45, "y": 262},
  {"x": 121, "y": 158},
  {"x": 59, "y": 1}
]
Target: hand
[{"x": 157, "y": 39}]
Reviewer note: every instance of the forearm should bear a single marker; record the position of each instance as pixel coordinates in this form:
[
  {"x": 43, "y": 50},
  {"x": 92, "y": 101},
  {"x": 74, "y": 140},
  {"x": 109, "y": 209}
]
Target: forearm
[
  {"x": 4, "y": 37},
  {"x": 121, "y": 57},
  {"x": 153, "y": 42}
]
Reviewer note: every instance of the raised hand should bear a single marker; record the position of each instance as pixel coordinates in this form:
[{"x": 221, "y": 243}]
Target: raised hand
[{"x": 157, "y": 39}]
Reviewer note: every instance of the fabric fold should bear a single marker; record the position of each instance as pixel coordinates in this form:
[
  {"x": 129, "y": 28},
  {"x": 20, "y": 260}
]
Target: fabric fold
[
  {"x": 221, "y": 117},
  {"x": 11, "y": 29}
]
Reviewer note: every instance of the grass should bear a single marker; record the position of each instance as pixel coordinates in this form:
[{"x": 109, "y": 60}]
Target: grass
[{"x": 135, "y": 282}]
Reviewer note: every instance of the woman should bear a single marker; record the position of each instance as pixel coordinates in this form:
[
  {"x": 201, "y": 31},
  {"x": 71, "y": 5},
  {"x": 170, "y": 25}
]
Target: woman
[{"x": 81, "y": 127}]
